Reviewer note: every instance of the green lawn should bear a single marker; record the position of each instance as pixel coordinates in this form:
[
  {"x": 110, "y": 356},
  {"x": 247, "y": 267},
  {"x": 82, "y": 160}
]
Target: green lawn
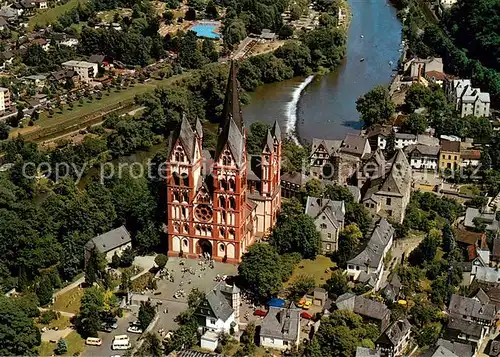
[
  {"x": 61, "y": 323},
  {"x": 76, "y": 345},
  {"x": 45, "y": 17},
  {"x": 108, "y": 16},
  {"x": 318, "y": 268},
  {"x": 69, "y": 301},
  {"x": 72, "y": 116},
  {"x": 470, "y": 190}
]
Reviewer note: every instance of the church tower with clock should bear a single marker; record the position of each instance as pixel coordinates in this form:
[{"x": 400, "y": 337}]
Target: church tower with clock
[{"x": 219, "y": 203}]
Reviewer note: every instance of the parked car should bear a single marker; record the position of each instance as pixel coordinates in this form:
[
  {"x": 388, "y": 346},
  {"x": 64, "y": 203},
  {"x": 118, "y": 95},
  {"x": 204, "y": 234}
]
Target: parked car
[
  {"x": 134, "y": 329},
  {"x": 260, "y": 312},
  {"x": 307, "y": 304},
  {"x": 306, "y": 315},
  {"x": 106, "y": 328},
  {"x": 301, "y": 302}
]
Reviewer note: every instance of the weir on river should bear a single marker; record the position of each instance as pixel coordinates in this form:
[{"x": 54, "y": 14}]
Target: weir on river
[{"x": 325, "y": 106}]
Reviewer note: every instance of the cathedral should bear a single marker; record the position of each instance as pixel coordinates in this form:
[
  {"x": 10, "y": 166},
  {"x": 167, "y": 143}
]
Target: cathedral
[{"x": 219, "y": 203}]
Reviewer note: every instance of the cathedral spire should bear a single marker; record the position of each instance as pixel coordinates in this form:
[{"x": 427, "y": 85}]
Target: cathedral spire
[{"x": 232, "y": 109}]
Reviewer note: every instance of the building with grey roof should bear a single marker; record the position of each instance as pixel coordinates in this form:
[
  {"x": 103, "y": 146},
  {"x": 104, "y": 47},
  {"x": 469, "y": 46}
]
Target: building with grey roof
[
  {"x": 394, "y": 340},
  {"x": 366, "y": 352},
  {"x": 281, "y": 328},
  {"x": 471, "y": 309},
  {"x": 467, "y": 99},
  {"x": 459, "y": 349},
  {"x": 371, "y": 310},
  {"x": 403, "y": 140},
  {"x": 109, "y": 243},
  {"x": 465, "y": 331},
  {"x": 439, "y": 351},
  {"x": 387, "y": 193},
  {"x": 489, "y": 219},
  {"x": 423, "y": 157},
  {"x": 328, "y": 216},
  {"x": 220, "y": 309},
  {"x": 293, "y": 184},
  {"x": 494, "y": 349},
  {"x": 371, "y": 259}
]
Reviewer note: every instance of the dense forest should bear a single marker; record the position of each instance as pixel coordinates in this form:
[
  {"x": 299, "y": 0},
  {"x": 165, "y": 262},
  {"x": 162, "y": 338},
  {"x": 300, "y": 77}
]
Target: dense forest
[{"x": 475, "y": 27}]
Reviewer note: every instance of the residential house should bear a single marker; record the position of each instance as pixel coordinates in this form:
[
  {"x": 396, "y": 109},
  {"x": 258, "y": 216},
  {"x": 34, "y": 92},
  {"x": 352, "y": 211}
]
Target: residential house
[
  {"x": 392, "y": 290},
  {"x": 85, "y": 70},
  {"x": 403, "y": 140},
  {"x": 8, "y": 14},
  {"x": 281, "y": 328},
  {"x": 373, "y": 167},
  {"x": 42, "y": 42},
  {"x": 394, "y": 340},
  {"x": 489, "y": 219},
  {"x": 467, "y": 100},
  {"x": 293, "y": 184},
  {"x": 110, "y": 243},
  {"x": 378, "y": 135},
  {"x": 470, "y": 157},
  {"x": 366, "y": 352},
  {"x": 370, "y": 310},
  {"x": 4, "y": 99},
  {"x": 419, "y": 67},
  {"x": 219, "y": 312},
  {"x": 67, "y": 78},
  {"x": 328, "y": 217},
  {"x": 458, "y": 348},
  {"x": 495, "y": 252},
  {"x": 438, "y": 351},
  {"x": 423, "y": 157},
  {"x": 470, "y": 320},
  {"x": 446, "y": 4},
  {"x": 368, "y": 266},
  {"x": 40, "y": 4},
  {"x": 3, "y": 24},
  {"x": 427, "y": 139},
  {"x": 337, "y": 160},
  {"x": 387, "y": 195},
  {"x": 24, "y": 7},
  {"x": 6, "y": 59},
  {"x": 38, "y": 80},
  {"x": 449, "y": 156}
]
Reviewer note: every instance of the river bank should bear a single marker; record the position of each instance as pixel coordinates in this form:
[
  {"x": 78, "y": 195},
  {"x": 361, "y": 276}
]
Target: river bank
[{"x": 325, "y": 106}]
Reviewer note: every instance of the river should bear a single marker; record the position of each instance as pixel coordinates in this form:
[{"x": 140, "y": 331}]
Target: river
[{"x": 325, "y": 106}]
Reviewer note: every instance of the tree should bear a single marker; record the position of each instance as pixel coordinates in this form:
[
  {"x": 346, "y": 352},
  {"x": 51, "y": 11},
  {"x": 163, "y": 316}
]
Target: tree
[
  {"x": 161, "y": 260},
  {"x": 441, "y": 291},
  {"x": 168, "y": 16},
  {"x": 415, "y": 124},
  {"x": 44, "y": 290},
  {"x": 126, "y": 282},
  {"x": 426, "y": 250},
  {"x": 195, "y": 298},
  {"x": 255, "y": 140},
  {"x": 211, "y": 10},
  {"x": 127, "y": 257},
  {"x": 261, "y": 271},
  {"x": 209, "y": 51},
  {"x": 115, "y": 261},
  {"x": 337, "y": 284},
  {"x": 314, "y": 188},
  {"x": 18, "y": 334},
  {"x": 4, "y": 130},
  {"x": 62, "y": 347},
  {"x": 429, "y": 334},
  {"x": 417, "y": 97},
  {"x": 95, "y": 267},
  {"x": 234, "y": 33},
  {"x": 302, "y": 285},
  {"x": 189, "y": 53},
  {"x": 285, "y": 32},
  {"x": 375, "y": 107},
  {"x": 348, "y": 243},
  {"x": 151, "y": 346},
  {"x": 448, "y": 238},
  {"x": 147, "y": 313},
  {"x": 297, "y": 235},
  {"x": 88, "y": 319}
]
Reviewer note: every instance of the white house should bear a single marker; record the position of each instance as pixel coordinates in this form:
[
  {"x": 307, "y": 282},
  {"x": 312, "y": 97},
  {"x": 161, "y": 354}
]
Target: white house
[
  {"x": 109, "y": 243},
  {"x": 368, "y": 266},
  {"x": 447, "y": 3},
  {"x": 403, "y": 140},
  {"x": 85, "y": 70},
  {"x": 468, "y": 100},
  {"x": 423, "y": 157},
  {"x": 220, "y": 310},
  {"x": 4, "y": 99},
  {"x": 281, "y": 328}
]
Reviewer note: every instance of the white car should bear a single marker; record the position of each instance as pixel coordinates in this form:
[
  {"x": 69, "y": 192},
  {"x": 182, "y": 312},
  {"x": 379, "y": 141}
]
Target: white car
[{"x": 134, "y": 329}]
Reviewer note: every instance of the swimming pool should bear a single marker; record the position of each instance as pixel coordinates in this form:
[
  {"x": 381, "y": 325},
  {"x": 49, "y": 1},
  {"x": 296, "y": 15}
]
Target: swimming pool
[{"x": 206, "y": 29}]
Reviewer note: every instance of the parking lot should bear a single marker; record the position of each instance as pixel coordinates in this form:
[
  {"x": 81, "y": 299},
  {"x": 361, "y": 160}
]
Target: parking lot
[{"x": 107, "y": 338}]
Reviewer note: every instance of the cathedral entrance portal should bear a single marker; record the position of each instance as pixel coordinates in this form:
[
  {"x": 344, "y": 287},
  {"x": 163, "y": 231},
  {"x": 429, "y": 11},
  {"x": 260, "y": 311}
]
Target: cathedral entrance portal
[{"x": 206, "y": 248}]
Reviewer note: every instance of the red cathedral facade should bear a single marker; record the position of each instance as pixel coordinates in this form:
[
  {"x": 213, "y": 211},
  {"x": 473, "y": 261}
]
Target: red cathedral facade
[{"x": 219, "y": 203}]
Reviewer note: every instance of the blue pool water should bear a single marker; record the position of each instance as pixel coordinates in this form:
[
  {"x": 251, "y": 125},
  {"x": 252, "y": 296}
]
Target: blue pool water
[{"x": 206, "y": 30}]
